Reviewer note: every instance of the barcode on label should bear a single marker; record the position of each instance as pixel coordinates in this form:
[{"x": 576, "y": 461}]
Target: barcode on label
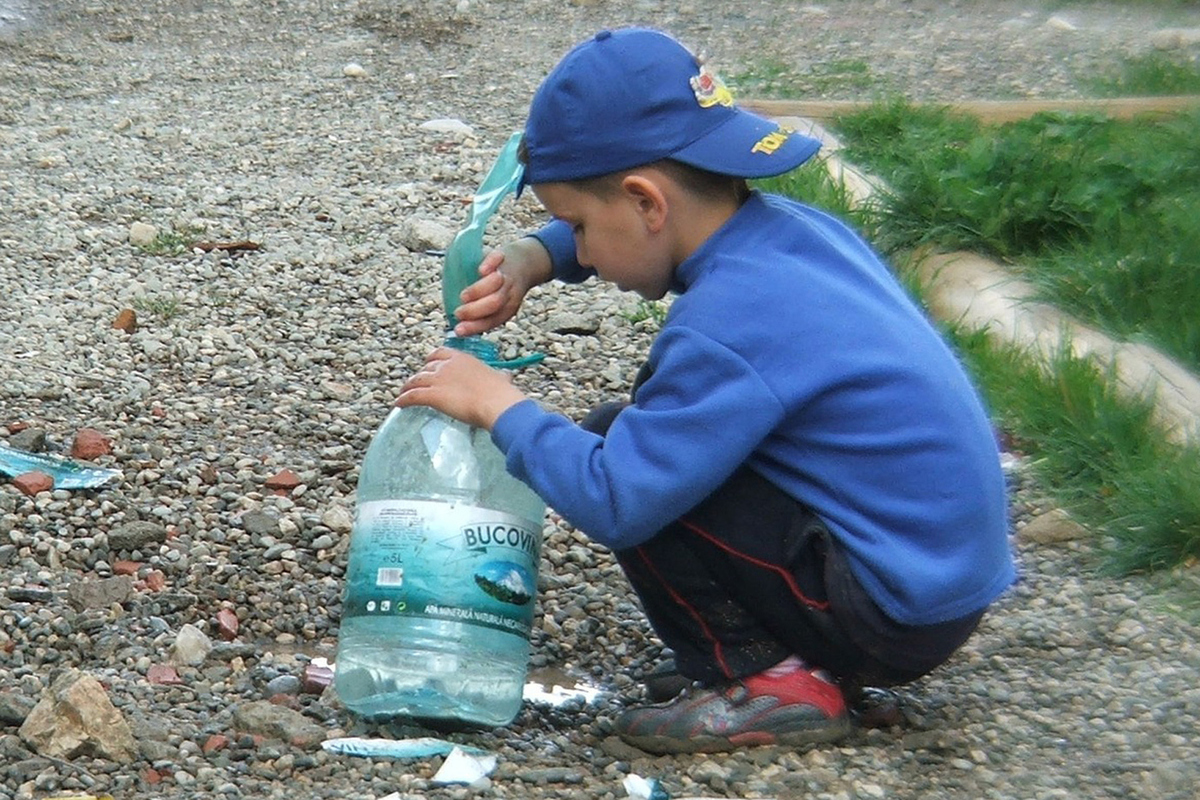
[{"x": 389, "y": 576}]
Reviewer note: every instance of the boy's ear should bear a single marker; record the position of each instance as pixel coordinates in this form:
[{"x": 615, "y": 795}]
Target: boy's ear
[{"x": 649, "y": 199}]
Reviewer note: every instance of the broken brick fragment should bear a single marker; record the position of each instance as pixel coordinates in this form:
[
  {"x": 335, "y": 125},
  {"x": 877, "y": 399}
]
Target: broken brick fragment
[
  {"x": 126, "y": 320},
  {"x": 126, "y": 567},
  {"x": 33, "y": 482},
  {"x": 315, "y": 679},
  {"x": 215, "y": 742},
  {"x": 284, "y": 480},
  {"x": 227, "y": 624},
  {"x": 163, "y": 675},
  {"x": 90, "y": 444}
]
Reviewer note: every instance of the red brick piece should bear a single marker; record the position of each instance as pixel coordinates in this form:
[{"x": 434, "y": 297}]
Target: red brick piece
[
  {"x": 163, "y": 675},
  {"x": 126, "y": 320},
  {"x": 156, "y": 580},
  {"x": 285, "y": 479},
  {"x": 215, "y": 742},
  {"x": 90, "y": 444},
  {"x": 33, "y": 482},
  {"x": 227, "y": 624}
]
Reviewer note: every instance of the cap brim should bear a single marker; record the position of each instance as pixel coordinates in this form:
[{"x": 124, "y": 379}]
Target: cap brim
[{"x": 749, "y": 146}]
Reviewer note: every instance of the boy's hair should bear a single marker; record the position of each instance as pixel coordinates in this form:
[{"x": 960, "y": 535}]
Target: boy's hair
[{"x": 705, "y": 185}]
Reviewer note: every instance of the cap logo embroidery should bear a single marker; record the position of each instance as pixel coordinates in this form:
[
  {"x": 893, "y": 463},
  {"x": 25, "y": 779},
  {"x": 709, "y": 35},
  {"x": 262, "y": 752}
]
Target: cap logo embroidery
[
  {"x": 709, "y": 89},
  {"x": 772, "y": 141}
]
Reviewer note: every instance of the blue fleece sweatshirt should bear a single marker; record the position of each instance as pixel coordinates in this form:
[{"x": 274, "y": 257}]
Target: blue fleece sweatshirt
[{"x": 792, "y": 348}]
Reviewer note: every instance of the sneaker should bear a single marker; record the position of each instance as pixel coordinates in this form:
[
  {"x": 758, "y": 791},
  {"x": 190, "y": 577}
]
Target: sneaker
[{"x": 801, "y": 707}]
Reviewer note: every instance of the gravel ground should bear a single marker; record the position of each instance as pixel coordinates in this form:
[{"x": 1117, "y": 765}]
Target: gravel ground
[{"x": 318, "y": 130}]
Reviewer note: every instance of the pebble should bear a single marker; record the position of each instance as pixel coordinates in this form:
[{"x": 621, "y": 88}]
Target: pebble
[
  {"x": 142, "y": 234},
  {"x": 240, "y": 396}
]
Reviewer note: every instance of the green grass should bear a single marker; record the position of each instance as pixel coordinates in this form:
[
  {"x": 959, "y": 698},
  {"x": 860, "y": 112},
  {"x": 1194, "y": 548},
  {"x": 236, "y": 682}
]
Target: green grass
[
  {"x": 653, "y": 310},
  {"x": 165, "y": 307},
  {"x": 1154, "y": 73},
  {"x": 813, "y": 184},
  {"x": 1098, "y": 451},
  {"x": 173, "y": 242},
  {"x": 1098, "y": 214}
]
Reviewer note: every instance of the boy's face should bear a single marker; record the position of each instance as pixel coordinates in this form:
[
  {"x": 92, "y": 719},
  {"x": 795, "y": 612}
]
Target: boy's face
[{"x": 615, "y": 234}]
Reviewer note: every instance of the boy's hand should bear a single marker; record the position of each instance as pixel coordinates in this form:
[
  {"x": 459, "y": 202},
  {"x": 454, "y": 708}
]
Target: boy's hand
[
  {"x": 506, "y": 276},
  {"x": 461, "y": 386}
]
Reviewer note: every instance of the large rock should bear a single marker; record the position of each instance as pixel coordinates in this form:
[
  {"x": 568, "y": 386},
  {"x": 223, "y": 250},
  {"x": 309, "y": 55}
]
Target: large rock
[
  {"x": 136, "y": 535},
  {"x": 423, "y": 234},
  {"x": 263, "y": 523},
  {"x": 276, "y": 722},
  {"x": 31, "y": 440},
  {"x": 102, "y": 593},
  {"x": 75, "y": 718},
  {"x": 1053, "y": 527}
]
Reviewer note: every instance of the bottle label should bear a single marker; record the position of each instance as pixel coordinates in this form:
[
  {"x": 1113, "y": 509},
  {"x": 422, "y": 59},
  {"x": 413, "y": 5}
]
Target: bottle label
[{"x": 448, "y": 561}]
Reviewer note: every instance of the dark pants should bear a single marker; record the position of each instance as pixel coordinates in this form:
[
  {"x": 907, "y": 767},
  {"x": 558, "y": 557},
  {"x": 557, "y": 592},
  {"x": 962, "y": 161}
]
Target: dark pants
[{"x": 750, "y": 576}]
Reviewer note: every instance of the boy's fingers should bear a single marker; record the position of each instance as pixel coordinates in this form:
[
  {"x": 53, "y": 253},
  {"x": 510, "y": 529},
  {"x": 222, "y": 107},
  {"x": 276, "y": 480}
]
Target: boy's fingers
[
  {"x": 491, "y": 262},
  {"x": 470, "y": 328},
  {"x": 481, "y": 307},
  {"x": 410, "y": 397},
  {"x": 439, "y": 354},
  {"x": 488, "y": 284}
]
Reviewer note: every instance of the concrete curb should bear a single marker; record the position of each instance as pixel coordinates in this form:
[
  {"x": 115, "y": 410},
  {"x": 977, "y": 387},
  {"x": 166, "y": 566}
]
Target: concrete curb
[
  {"x": 979, "y": 293},
  {"x": 991, "y": 111}
]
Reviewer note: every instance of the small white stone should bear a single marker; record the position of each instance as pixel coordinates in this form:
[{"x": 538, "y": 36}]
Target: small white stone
[
  {"x": 353, "y": 70},
  {"x": 424, "y": 234},
  {"x": 142, "y": 234},
  {"x": 1059, "y": 23},
  {"x": 191, "y": 646},
  {"x": 455, "y": 126},
  {"x": 338, "y": 520}
]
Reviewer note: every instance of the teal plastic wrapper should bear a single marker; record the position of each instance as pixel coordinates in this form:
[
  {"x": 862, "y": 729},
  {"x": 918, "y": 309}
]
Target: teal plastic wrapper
[
  {"x": 421, "y": 747},
  {"x": 460, "y": 268},
  {"x": 66, "y": 473}
]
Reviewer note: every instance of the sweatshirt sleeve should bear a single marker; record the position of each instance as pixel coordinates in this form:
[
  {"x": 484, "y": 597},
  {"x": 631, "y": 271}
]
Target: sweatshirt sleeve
[
  {"x": 559, "y": 241},
  {"x": 660, "y": 457}
]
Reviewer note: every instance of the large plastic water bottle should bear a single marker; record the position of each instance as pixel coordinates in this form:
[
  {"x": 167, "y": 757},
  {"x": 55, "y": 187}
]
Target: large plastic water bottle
[{"x": 442, "y": 577}]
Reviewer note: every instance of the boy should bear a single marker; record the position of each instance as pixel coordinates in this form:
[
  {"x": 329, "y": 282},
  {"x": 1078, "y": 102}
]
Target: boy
[{"x": 805, "y": 491}]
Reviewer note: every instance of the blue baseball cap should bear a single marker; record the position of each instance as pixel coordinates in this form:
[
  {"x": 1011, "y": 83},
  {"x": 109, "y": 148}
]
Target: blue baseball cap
[{"x": 633, "y": 96}]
